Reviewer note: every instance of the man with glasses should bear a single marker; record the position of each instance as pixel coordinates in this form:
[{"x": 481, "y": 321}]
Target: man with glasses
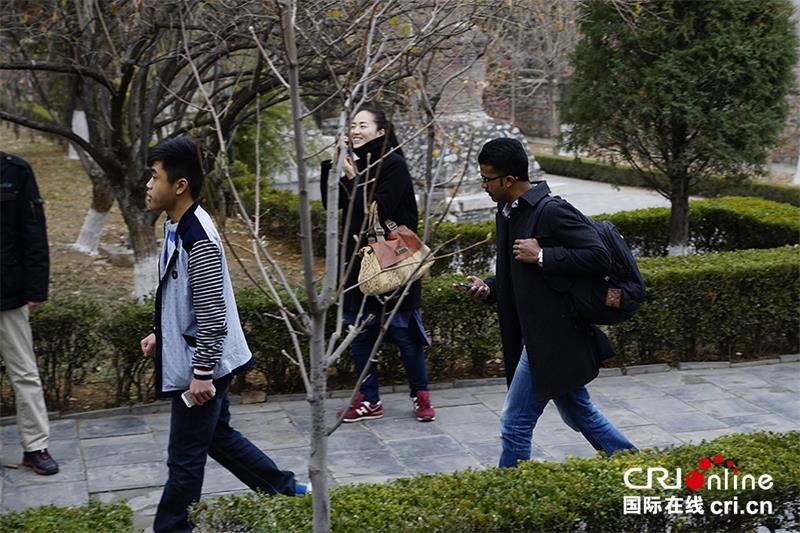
[{"x": 549, "y": 354}]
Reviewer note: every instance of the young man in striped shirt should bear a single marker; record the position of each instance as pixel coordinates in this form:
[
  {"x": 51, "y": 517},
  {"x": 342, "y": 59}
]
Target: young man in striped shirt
[{"x": 198, "y": 343}]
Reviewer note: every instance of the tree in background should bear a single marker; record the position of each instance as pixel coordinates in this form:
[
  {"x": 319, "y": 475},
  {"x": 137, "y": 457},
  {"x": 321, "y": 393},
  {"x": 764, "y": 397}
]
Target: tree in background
[
  {"x": 681, "y": 90},
  {"x": 529, "y": 54}
]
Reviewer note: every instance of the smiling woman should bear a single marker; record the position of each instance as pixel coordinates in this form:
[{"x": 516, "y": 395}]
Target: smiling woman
[{"x": 380, "y": 174}]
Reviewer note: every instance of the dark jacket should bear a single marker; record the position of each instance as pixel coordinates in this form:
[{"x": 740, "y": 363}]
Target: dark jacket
[
  {"x": 391, "y": 187},
  {"x": 23, "y": 236},
  {"x": 563, "y": 352}
]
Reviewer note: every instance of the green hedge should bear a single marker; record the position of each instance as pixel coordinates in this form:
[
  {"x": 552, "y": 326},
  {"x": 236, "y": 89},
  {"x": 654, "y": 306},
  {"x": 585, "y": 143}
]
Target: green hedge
[
  {"x": 66, "y": 345},
  {"x": 578, "y": 495},
  {"x": 588, "y": 169},
  {"x": 93, "y": 517},
  {"x": 127, "y": 325},
  {"x": 713, "y": 306},
  {"x": 715, "y": 225},
  {"x": 280, "y": 210},
  {"x": 724, "y": 306}
]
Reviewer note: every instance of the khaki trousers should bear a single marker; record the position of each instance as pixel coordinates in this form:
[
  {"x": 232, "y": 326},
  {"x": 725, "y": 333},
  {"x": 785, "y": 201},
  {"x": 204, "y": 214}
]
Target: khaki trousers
[{"x": 16, "y": 345}]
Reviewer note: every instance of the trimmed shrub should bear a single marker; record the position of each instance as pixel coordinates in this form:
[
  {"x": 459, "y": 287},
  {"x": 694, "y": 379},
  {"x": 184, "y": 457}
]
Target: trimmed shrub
[
  {"x": 715, "y": 306},
  {"x": 280, "y": 211},
  {"x": 267, "y": 336},
  {"x": 126, "y": 326},
  {"x": 589, "y": 169},
  {"x": 465, "y": 335},
  {"x": 724, "y": 306},
  {"x": 715, "y": 225},
  {"x": 66, "y": 345},
  {"x": 578, "y": 495},
  {"x": 90, "y": 518},
  {"x": 451, "y": 237}
]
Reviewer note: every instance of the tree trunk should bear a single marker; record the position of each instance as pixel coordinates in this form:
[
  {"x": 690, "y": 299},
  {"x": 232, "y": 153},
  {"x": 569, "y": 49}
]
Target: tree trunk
[
  {"x": 142, "y": 236},
  {"x": 317, "y": 465},
  {"x": 679, "y": 215},
  {"x": 426, "y": 200},
  {"x": 555, "y": 117},
  {"x": 92, "y": 229}
]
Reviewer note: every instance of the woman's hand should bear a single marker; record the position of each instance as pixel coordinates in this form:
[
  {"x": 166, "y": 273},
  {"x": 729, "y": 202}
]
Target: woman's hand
[{"x": 349, "y": 168}]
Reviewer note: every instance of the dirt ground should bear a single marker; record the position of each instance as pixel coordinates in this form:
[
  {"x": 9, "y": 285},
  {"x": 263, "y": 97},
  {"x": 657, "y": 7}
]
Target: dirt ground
[{"x": 67, "y": 192}]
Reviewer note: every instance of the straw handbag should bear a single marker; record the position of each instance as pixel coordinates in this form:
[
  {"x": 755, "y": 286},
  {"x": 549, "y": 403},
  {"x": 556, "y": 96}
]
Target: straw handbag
[{"x": 392, "y": 261}]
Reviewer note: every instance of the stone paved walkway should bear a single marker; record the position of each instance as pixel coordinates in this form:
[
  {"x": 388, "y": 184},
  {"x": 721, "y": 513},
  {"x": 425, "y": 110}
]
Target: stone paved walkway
[{"x": 123, "y": 457}]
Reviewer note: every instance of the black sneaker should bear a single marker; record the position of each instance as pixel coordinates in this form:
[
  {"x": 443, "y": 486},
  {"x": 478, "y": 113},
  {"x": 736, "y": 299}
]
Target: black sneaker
[{"x": 41, "y": 462}]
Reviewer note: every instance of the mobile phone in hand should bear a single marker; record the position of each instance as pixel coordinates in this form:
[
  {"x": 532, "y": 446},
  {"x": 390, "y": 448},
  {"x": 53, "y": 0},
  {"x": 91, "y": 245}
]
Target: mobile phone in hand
[
  {"x": 463, "y": 286},
  {"x": 187, "y": 399}
]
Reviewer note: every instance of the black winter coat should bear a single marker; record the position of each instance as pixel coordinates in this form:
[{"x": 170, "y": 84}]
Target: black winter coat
[
  {"x": 24, "y": 255},
  {"x": 391, "y": 187},
  {"x": 563, "y": 352}
]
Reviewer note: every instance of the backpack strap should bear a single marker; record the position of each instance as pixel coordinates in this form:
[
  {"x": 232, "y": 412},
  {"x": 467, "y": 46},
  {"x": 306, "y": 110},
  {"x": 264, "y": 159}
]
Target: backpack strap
[{"x": 537, "y": 215}]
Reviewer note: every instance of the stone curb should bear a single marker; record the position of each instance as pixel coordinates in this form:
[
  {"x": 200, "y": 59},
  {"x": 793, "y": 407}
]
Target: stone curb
[
  {"x": 636, "y": 370},
  {"x": 703, "y": 365},
  {"x": 760, "y": 362}
]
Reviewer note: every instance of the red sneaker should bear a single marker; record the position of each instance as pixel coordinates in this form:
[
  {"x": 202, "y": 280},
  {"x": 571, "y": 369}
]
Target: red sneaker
[
  {"x": 423, "y": 408},
  {"x": 362, "y": 410}
]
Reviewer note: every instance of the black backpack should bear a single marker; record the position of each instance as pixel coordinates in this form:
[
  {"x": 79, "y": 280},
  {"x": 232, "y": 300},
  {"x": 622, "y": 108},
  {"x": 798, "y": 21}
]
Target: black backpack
[{"x": 615, "y": 296}]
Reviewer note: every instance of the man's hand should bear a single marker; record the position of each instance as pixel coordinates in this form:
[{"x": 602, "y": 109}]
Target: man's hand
[
  {"x": 202, "y": 390},
  {"x": 479, "y": 291},
  {"x": 149, "y": 345},
  {"x": 32, "y": 305},
  {"x": 527, "y": 250}
]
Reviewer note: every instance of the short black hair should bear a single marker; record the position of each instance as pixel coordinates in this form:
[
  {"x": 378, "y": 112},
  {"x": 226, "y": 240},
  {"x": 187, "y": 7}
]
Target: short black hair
[
  {"x": 507, "y": 156},
  {"x": 181, "y": 158}
]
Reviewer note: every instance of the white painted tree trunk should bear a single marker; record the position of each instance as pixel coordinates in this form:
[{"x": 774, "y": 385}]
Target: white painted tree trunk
[
  {"x": 797, "y": 172},
  {"x": 145, "y": 276},
  {"x": 81, "y": 127},
  {"x": 91, "y": 231}
]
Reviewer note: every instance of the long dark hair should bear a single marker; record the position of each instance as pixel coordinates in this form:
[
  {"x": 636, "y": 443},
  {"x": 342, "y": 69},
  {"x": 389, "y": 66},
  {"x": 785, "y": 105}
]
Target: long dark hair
[{"x": 384, "y": 124}]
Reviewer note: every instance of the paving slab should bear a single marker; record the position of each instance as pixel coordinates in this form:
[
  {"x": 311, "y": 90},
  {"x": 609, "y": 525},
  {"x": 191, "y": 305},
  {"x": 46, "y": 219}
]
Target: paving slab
[
  {"x": 66, "y": 494},
  {"x": 457, "y": 461},
  {"x": 580, "y": 448},
  {"x": 113, "y": 427},
  {"x": 727, "y": 407},
  {"x": 124, "y": 450},
  {"x": 407, "y": 428},
  {"x": 140, "y": 475},
  {"x": 409, "y": 450}
]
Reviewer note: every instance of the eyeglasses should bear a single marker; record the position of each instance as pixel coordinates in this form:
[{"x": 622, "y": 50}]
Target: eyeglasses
[{"x": 487, "y": 179}]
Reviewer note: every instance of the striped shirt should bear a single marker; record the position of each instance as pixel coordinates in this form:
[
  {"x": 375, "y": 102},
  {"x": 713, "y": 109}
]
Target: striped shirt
[{"x": 206, "y": 281}]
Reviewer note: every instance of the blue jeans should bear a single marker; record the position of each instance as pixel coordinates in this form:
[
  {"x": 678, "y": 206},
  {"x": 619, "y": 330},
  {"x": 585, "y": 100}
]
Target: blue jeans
[
  {"x": 523, "y": 408},
  {"x": 411, "y": 344},
  {"x": 201, "y": 431}
]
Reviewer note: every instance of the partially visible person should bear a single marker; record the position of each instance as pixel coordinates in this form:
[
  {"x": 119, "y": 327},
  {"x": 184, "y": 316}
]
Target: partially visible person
[
  {"x": 549, "y": 353},
  {"x": 198, "y": 343},
  {"x": 387, "y": 182},
  {"x": 25, "y": 264}
]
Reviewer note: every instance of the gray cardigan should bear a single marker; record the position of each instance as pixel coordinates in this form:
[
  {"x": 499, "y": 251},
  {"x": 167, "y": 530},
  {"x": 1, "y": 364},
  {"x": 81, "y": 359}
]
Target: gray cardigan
[{"x": 198, "y": 332}]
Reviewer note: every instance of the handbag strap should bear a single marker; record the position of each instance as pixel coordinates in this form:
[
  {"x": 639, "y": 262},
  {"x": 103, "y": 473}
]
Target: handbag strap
[{"x": 377, "y": 233}]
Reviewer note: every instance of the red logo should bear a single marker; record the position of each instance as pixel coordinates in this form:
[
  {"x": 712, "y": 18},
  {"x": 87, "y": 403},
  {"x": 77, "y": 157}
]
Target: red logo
[{"x": 695, "y": 479}]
